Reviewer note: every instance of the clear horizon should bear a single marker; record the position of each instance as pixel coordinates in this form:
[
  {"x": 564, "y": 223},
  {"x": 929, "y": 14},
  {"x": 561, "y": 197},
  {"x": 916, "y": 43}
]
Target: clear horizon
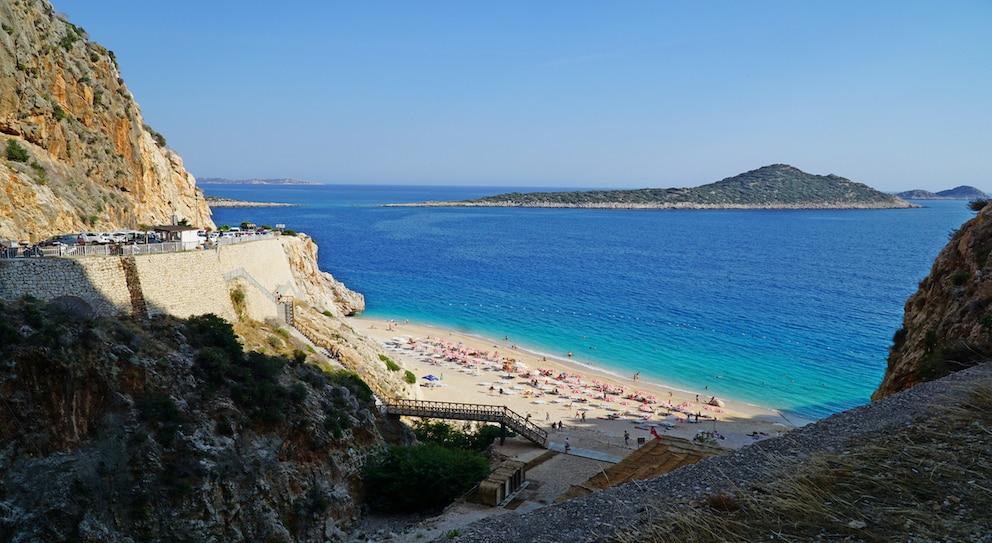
[{"x": 580, "y": 95}]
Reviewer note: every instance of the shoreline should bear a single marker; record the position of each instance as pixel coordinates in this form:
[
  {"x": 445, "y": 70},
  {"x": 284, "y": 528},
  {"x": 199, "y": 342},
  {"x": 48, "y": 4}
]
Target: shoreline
[
  {"x": 593, "y": 401},
  {"x": 218, "y": 201}
]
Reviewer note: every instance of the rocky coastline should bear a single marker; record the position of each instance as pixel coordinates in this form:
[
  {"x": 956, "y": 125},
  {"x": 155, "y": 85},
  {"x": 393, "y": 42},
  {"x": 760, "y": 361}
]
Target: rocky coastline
[{"x": 218, "y": 201}]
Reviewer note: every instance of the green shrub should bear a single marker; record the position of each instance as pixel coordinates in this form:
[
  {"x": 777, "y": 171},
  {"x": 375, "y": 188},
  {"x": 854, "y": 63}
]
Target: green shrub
[
  {"x": 449, "y": 436},
  {"x": 299, "y": 356},
  {"x": 238, "y": 299},
  {"x": 354, "y": 383},
  {"x": 288, "y": 232},
  {"x": 960, "y": 278},
  {"x": 15, "y": 152},
  {"x": 159, "y": 138},
  {"x": 422, "y": 478},
  {"x": 390, "y": 365},
  {"x": 209, "y": 330},
  {"x": 58, "y": 112},
  {"x": 978, "y": 205},
  {"x": 409, "y": 377}
]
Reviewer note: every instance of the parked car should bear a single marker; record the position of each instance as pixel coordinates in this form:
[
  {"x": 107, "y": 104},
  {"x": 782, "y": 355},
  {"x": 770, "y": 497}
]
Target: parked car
[
  {"x": 95, "y": 238},
  {"x": 126, "y": 236},
  {"x": 65, "y": 239}
]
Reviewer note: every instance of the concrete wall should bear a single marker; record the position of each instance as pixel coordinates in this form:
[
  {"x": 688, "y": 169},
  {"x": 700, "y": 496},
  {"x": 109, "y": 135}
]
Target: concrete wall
[{"x": 177, "y": 284}]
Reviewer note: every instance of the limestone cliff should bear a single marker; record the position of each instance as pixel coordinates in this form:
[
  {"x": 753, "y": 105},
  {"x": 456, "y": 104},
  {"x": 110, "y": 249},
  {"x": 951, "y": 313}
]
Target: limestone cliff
[
  {"x": 75, "y": 152},
  {"x": 947, "y": 324},
  {"x": 318, "y": 287}
]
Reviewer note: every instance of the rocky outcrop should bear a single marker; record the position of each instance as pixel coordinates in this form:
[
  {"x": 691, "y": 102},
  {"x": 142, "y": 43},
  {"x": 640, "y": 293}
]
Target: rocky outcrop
[
  {"x": 153, "y": 430},
  {"x": 947, "y": 325},
  {"x": 319, "y": 288},
  {"x": 75, "y": 152}
]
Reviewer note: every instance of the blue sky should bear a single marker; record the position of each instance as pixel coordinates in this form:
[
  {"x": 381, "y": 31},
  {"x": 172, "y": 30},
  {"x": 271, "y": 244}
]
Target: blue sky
[{"x": 575, "y": 94}]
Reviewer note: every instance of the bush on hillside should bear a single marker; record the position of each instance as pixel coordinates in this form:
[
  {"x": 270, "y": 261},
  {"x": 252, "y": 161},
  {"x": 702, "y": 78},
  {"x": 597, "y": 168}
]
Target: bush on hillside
[
  {"x": 421, "y": 478},
  {"x": 15, "y": 152},
  {"x": 449, "y": 436}
]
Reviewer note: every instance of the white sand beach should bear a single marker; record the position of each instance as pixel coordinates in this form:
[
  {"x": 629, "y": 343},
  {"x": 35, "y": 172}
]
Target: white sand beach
[{"x": 595, "y": 407}]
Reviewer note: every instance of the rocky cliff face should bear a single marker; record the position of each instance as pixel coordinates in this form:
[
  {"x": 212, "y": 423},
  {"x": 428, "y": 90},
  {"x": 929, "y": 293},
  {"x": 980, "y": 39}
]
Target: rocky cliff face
[
  {"x": 319, "y": 288},
  {"x": 75, "y": 152},
  {"x": 947, "y": 324}
]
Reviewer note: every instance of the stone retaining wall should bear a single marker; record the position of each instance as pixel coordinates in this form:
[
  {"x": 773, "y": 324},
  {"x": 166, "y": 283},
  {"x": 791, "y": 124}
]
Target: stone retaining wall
[{"x": 177, "y": 284}]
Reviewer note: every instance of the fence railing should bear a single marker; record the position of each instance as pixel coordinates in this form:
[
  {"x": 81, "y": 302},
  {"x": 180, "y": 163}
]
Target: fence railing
[{"x": 121, "y": 249}]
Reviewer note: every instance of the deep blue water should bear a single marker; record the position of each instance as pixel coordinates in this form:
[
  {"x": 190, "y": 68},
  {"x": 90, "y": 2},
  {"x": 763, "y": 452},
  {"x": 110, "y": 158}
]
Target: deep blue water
[{"x": 792, "y": 310}]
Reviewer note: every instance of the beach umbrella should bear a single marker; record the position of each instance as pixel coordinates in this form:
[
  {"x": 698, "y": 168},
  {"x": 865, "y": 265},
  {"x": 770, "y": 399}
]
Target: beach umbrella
[{"x": 431, "y": 378}]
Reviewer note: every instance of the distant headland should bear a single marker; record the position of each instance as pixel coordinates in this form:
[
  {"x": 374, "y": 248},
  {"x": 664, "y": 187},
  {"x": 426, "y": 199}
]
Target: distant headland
[
  {"x": 222, "y": 181},
  {"x": 778, "y": 186},
  {"x": 963, "y": 192},
  {"x": 217, "y": 201}
]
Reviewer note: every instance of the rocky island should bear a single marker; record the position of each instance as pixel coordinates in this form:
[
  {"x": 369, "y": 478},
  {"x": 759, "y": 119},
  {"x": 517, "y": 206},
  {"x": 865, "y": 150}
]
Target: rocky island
[
  {"x": 778, "y": 186},
  {"x": 964, "y": 192}
]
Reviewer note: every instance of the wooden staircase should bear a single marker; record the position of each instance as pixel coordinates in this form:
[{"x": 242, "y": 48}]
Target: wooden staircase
[{"x": 467, "y": 411}]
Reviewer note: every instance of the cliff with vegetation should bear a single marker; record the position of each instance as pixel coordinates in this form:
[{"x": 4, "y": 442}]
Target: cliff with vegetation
[
  {"x": 131, "y": 411},
  {"x": 118, "y": 429},
  {"x": 778, "y": 186},
  {"x": 947, "y": 324},
  {"x": 76, "y": 154}
]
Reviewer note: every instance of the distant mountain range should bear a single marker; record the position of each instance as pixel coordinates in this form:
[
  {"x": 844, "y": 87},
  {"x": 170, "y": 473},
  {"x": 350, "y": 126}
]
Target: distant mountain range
[
  {"x": 963, "y": 192},
  {"x": 778, "y": 186},
  {"x": 222, "y": 181}
]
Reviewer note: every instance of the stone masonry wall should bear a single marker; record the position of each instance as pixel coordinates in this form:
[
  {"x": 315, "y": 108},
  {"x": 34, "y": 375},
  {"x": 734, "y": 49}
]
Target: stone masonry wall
[
  {"x": 178, "y": 284},
  {"x": 98, "y": 281}
]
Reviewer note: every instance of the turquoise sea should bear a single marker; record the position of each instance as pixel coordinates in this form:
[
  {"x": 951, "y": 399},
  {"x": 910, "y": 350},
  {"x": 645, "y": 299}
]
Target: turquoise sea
[{"x": 792, "y": 310}]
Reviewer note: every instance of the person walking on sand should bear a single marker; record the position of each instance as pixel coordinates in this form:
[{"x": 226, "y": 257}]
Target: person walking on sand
[
  {"x": 568, "y": 446},
  {"x": 626, "y": 438}
]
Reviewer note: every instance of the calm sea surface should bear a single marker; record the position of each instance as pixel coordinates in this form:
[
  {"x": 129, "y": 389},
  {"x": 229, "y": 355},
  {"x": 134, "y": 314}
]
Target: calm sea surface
[{"x": 792, "y": 310}]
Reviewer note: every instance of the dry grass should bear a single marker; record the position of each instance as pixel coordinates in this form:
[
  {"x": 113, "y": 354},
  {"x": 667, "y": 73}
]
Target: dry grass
[{"x": 925, "y": 482}]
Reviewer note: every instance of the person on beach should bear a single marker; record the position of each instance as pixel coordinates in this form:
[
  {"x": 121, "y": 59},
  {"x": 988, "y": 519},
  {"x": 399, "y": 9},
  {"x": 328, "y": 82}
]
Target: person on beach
[
  {"x": 637, "y": 376},
  {"x": 626, "y": 438},
  {"x": 568, "y": 446}
]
